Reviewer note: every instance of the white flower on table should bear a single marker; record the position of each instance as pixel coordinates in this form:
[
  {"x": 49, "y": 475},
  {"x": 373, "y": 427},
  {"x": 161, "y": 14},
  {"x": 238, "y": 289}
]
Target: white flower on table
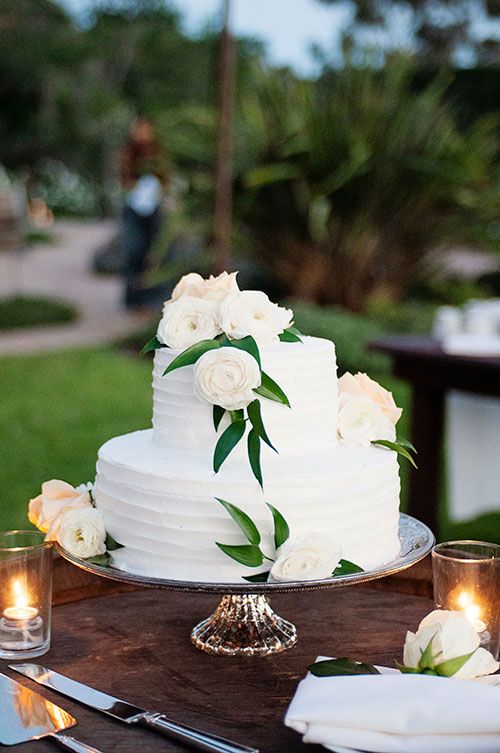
[
  {"x": 211, "y": 289},
  {"x": 250, "y": 312},
  {"x": 451, "y": 635},
  {"x": 361, "y": 384},
  {"x": 361, "y": 421},
  {"x": 57, "y": 497},
  {"x": 227, "y": 377},
  {"x": 187, "y": 321},
  {"x": 82, "y": 533},
  {"x": 308, "y": 557}
]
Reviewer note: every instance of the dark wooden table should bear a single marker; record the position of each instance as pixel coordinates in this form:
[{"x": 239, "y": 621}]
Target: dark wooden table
[
  {"x": 135, "y": 644},
  {"x": 432, "y": 373}
]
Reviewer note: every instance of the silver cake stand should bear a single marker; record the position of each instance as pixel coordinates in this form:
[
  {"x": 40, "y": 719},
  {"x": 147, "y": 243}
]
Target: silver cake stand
[{"x": 244, "y": 622}]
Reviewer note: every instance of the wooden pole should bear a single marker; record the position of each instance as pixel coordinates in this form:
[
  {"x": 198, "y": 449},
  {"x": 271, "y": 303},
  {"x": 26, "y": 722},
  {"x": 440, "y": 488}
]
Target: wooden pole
[{"x": 223, "y": 170}]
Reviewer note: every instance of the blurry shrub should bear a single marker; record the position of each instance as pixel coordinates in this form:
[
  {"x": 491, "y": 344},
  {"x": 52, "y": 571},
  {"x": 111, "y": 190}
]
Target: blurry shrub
[
  {"x": 447, "y": 292},
  {"x": 408, "y": 317},
  {"x": 64, "y": 191},
  {"x": 22, "y": 311}
]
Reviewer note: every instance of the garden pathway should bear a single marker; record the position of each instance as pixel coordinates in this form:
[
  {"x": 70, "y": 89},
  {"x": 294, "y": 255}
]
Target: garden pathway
[{"x": 63, "y": 269}]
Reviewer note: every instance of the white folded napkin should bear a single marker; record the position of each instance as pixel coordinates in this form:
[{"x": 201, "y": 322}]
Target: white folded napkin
[{"x": 397, "y": 713}]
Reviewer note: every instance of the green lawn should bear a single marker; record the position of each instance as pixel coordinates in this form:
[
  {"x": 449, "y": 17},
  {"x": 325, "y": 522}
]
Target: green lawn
[
  {"x": 32, "y": 311},
  {"x": 57, "y": 409}
]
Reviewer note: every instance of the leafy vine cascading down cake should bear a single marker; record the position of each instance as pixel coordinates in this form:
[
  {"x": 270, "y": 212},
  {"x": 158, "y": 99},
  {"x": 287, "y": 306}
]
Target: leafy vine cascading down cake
[{"x": 256, "y": 446}]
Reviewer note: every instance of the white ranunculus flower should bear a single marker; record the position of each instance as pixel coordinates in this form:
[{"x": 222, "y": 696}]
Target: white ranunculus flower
[
  {"x": 308, "y": 557},
  {"x": 82, "y": 533},
  {"x": 226, "y": 377},
  {"x": 360, "y": 420},
  {"x": 250, "y": 312},
  {"x": 46, "y": 510},
  {"x": 452, "y": 635},
  {"x": 187, "y": 321},
  {"x": 211, "y": 289}
]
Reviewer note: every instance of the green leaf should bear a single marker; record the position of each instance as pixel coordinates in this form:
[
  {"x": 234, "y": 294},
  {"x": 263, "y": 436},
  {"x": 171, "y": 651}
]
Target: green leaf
[
  {"x": 407, "y": 670},
  {"x": 191, "y": 355},
  {"x": 248, "y": 554},
  {"x": 339, "y": 667},
  {"x": 397, "y": 448},
  {"x": 291, "y": 335},
  {"x": 227, "y": 442},
  {"x": 255, "y": 416},
  {"x": 281, "y": 529},
  {"x": 243, "y": 521},
  {"x": 451, "y": 666},
  {"x": 153, "y": 344},
  {"x": 100, "y": 559},
  {"x": 218, "y": 415},
  {"x": 258, "y": 578},
  {"x": 406, "y": 443},
  {"x": 236, "y": 415},
  {"x": 254, "y": 455},
  {"x": 426, "y": 660},
  {"x": 249, "y": 345},
  {"x": 111, "y": 544},
  {"x": 271, "y": 390},
  {"x": 347, "y": 568}
]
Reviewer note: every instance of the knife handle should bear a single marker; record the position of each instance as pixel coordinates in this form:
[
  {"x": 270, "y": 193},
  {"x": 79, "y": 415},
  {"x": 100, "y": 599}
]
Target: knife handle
[
  {"x": 194, "y": 738},
  {"x": 70, "y": 743}
]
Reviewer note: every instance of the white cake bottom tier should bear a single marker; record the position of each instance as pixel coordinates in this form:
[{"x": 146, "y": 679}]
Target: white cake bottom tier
[{"x": 161, "y": 506}]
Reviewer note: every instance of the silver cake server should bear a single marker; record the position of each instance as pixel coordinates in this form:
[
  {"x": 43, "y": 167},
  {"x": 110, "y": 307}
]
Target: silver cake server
[
  {"x": 126, "y": 712},
  {"x": 26, "y": 715}
]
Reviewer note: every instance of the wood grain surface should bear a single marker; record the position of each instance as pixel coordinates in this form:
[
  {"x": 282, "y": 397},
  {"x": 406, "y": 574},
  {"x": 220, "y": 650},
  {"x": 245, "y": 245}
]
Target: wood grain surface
[{"x": 136, "y": 646}]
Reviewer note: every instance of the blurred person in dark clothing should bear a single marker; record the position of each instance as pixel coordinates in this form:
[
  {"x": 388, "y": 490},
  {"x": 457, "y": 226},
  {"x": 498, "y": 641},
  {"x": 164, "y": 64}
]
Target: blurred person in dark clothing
[{"x": 144, "y": 177}]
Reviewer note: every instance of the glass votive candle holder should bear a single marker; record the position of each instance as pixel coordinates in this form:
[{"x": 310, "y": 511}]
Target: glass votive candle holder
[
  {"x": 466, "y": 576},
  {"x": 25, "y": 594}
]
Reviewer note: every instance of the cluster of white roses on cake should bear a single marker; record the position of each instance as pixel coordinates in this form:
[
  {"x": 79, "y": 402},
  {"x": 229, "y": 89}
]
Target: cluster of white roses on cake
[
  {"x": 67, "y": 515},
  {"x": 202, "y": 309}
]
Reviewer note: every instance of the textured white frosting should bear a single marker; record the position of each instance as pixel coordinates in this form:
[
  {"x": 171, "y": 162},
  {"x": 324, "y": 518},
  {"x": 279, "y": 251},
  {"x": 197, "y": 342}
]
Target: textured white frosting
[
  {"x": 307, "y": 372},
  {"x": 156, "y": 488}
]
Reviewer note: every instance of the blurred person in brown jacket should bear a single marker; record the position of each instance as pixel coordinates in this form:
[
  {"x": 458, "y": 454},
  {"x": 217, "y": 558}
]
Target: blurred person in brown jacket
[{"x": 144, "y": 177}]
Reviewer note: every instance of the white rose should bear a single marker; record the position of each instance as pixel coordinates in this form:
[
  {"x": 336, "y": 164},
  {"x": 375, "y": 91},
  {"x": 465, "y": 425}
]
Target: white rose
[
  {"x": 212, "y": 289},
  {"x": 82, "y": 533},
  {"x": 452, "y": 636},
  {"x": 362, "y": 384},
  {"x": 250, "y": 312},
  {"x": 57, "y": 497},
  {"x": 309, "y": 557},
  {"x": 188, "y": 321},
  {"x": 226, "y": 377},
  {"x": 360, "y": 421}
]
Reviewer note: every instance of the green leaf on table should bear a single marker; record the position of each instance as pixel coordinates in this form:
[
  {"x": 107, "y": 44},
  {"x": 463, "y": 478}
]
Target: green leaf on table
[
  {"x": 246, "y": 523},
  {"x": 340, "y": 667},
  {"x": 254, "y": 455},
  {"x": 451, "y": 666},
  {"x": 248, "y": 344},
  {"x": 291, "y": 335},
  {"x": 247, "y": 554},
  {"x": 345, "y": 567},
  {"x": 218, "y": 415},
  {"x": 111, "y": 544},
  {"x": 191, "y": 354},
  {"x": 271, "y": 390},
  {"x": 281, "y": 529},
  {"x": 397, "y": 447},
  {"x": 258, "y": 577},
  {"x": 407, "y": 670},
  {"x": 255, "y": 416},
  {"x": 153, "y": 344},
  {"x": 426, "y": 660},
  {"x": 227, "y": 442}
]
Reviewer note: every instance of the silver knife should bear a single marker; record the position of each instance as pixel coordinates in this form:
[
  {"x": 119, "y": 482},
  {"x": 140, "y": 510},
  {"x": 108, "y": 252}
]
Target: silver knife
[{"x": 127, "y": 713}]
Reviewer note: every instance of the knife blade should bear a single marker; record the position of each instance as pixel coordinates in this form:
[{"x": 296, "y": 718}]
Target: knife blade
[{"x": 127, "y": 712}]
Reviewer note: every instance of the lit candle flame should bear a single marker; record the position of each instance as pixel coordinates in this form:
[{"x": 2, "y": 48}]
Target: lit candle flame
[
  {"x": 19, "y": 593},
  {"x": 471, "y": 610}
]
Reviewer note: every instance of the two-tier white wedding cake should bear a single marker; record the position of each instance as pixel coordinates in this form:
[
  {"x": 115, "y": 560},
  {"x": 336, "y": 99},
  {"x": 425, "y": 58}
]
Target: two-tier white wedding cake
[{"x": 159, "y": 490}]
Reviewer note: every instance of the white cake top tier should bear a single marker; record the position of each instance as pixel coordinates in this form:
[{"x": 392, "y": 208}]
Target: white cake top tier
[{"x": 306, "y": 371}]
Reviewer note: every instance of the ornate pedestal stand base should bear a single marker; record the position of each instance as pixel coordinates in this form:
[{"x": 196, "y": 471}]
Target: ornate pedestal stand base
[{"x": 244, "y": 625}]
